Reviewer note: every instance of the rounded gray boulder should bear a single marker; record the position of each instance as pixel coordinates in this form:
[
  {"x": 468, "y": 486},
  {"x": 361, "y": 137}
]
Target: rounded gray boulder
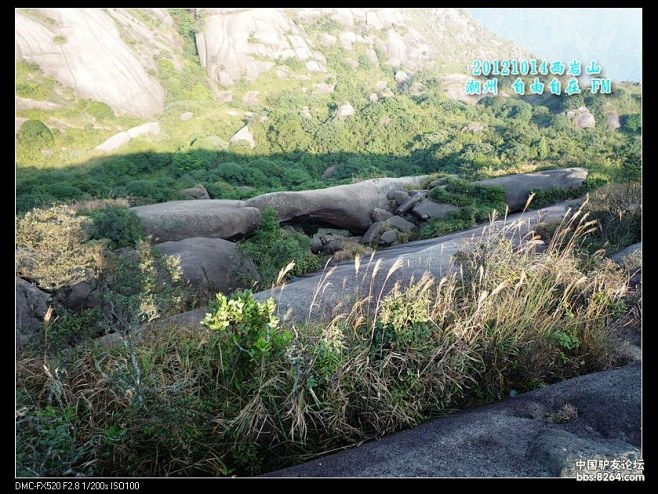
[
  {"x": 213, "y": 218},
  {"x": 518, "y": 187},
  {"x": 211, "y": 265},
  {"x": 343, "y": 206}
]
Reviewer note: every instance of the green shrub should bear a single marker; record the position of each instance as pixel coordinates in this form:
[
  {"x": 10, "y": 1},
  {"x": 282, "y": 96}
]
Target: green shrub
[
  {"x": 121, "y": 226},
  {"x": 272, "y": 247},
  {"x": 477, "y": 203},
  {"x": 97, "y": 109},
  {"x": 452, "y": 222},
  {"x": 25, "y": 202},
  {"x": 35, "y": 134},
  {"x": 248, "y": 328},
  {"x": 633, "y": 123},
  {"x": 144, "y": 285},
  {"x": 63, "y": 191}
]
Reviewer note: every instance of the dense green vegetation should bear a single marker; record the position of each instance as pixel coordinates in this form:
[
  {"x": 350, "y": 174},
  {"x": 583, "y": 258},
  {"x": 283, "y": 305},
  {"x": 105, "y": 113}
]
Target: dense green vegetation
[
  {"x": 58, "y": 248},
  {"x": 477, "y": 203},
  {"x": 272, "y": 247}
]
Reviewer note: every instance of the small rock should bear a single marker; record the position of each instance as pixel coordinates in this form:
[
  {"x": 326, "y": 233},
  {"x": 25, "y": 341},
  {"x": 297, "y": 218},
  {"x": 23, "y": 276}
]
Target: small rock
[
  {"x": 345, "y": 111},
  {"x": 373, "y": 232},
  {"x": 401, "y": 76},
  {"x": 400, "y": 223},
  {"x": 329, "y": 171},
  {"x": 437, "y": 182},
  {"x": 333, "y": 232},
  {"x": 186, "y": 116},
  {"x": 585, "y": 121},
  {"x": 316, "y": 244},
  {"x": 389, "y": 237},
  {"x": 628, "y": 251},
  {"x": 613, "y": 120},
  {"x": 582, "y": 117},
  {"x": 244, "y": 135},
  {"x": 225, "y": 97},
  {"x": 473, "y": 128},
  {"x": 409, "y": 203},
  {"x": 211, "y": 265},
  {"x": 373, "y": 98},
  {"x": 196, "y": 193},
  {"x": 397, "y": 196},
  {"x": 31, "y": 307},
  {"x": 314, "y": 66},
  {"x": 427, "y": 208},
  {"x": 379, "y": 214},
  {"x": 327, "y": 39},
  {"x": 86, "y": 294},
  {"x": 325, "y": 88},
  {"x": 250, "y": 98},
  {"x": 332, "y": 246}
]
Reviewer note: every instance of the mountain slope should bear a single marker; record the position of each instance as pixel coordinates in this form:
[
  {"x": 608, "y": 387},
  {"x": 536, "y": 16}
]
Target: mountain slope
[{"x": 115, "y": 56}]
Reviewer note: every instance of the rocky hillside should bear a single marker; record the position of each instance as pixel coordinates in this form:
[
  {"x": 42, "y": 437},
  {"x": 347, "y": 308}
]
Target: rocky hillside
[
  {"x": 126, "y": 46},
  {"x": 104, "y": 55},
  {"x": 240, "y": 102}
]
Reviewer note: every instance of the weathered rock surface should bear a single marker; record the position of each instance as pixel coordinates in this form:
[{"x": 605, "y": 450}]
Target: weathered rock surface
[
  {"x": 582, "y": 118},
  {"x": 328, "y": 240},
  {"x": 237, "y": 43},
  {"x": 635, "y": 249},
  {"x": 85, "y": 49},
  {"x": 211, "y": 265},
  {"x": 373, "y": 233},
  {"x": 122, "y": 138},
  {"x": 196, "y": 193},
  {"x": 401, "y": 76},
  {"x": 398, "y": 196},
  {"x": 512, "y": 438},
  {"x": 214, "y": 218},
  {"x": 234, "y": 44},
  {"x": 612, "y": 118},
  {"x": 379, "y": 214},
  {"x": 427, "y": 209},
  {"x": 518, "y": 187},
  {"x": 409, "y": 203},
  {"x": 400, "y": 224},
  {"x": 31, "y": 104},
  {"x": 345, "y": 111},
  {"x": 389, "y": 237},
  {"x": 87, "y": 294},
  {"x": 343, "y": 206},
  {"x": 243, "y": 135},
  {"x": 31, "y": 307}
]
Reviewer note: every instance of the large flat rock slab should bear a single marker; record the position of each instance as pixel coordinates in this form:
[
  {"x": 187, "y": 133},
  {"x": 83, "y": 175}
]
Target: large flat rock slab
[
  {"x": 215, "y": 218},
  {"x": 344, "y": 206},
  {"x": 518, "y": 187}
]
